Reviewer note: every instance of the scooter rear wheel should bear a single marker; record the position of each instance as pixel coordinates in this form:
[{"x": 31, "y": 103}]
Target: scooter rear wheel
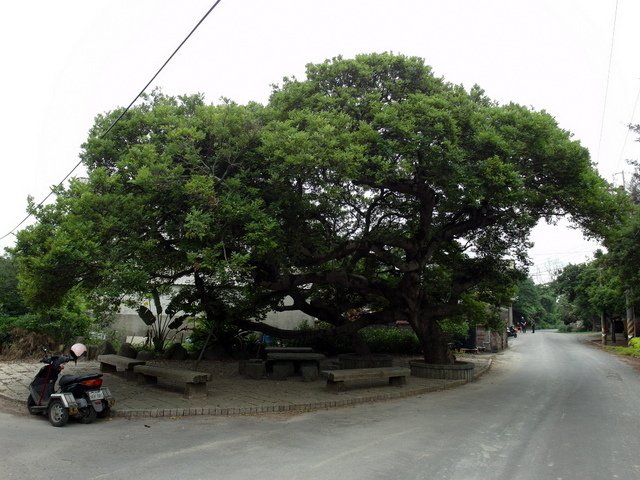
[
  {"x": 88, "y": 415},
  {"x": 105, "y": 412},
  {"x": 57, "y": 413}
]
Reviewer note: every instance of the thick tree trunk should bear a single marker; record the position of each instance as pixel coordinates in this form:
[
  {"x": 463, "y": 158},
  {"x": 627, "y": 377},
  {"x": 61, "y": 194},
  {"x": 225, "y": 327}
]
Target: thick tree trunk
[
  {"x": 434, "y": 342},
  {"x": 613, "y": 331},
  {"x": 604, "y": 327}
]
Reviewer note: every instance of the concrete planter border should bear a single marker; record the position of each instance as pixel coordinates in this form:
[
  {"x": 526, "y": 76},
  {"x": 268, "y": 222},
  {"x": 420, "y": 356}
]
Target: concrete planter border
[{"x": 456, "y": 371}]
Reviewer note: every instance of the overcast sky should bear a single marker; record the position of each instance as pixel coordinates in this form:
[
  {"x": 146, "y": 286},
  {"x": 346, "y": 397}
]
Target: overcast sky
[{"x": 64, "y": 62}]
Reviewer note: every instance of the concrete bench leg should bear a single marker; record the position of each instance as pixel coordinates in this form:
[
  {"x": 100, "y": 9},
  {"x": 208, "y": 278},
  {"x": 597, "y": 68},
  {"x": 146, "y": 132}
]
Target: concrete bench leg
[
  {"x": 397, "y": 381},
  {"x": 309, "y": 371},
  {"x": 282, "y": 370},
  {"x": 255, "y": 369},
  {"x": 193, "y": 390},
  {"x": 335, "y": 386},
  {"x": 106, "y": 368},
  {"x": 146, "y": 379}
]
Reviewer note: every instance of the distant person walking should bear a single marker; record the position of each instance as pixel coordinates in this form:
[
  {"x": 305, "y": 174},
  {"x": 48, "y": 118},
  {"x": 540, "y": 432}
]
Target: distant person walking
[{"x": 533, "y": 327}]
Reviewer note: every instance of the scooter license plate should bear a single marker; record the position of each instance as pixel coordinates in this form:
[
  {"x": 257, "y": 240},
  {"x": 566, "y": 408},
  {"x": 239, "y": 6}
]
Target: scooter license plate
[{"x": 95, "y": 394}]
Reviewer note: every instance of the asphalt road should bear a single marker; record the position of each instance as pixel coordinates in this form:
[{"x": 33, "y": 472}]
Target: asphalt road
[{"x": 550, "y": 408}]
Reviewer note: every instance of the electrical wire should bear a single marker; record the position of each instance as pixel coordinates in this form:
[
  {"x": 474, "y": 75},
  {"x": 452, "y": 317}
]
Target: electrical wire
[
  {"x": 113, "y": 124},
  {"x": 606, "y": 89},
  {"x": 626, "y": 137}
]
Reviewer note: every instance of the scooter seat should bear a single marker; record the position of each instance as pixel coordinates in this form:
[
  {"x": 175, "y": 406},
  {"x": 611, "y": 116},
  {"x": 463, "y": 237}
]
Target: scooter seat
[{"x": 68, "y": 379}]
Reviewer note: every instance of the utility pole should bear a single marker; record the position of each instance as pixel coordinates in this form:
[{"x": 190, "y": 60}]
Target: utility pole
[{"x": 624, "y": 183}]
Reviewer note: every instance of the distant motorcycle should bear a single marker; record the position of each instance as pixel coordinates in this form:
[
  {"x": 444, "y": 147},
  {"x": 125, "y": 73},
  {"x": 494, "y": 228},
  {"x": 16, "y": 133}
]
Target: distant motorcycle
[
  {"x": 511, "y": 332},
  {"x": 79, "y": 396}
]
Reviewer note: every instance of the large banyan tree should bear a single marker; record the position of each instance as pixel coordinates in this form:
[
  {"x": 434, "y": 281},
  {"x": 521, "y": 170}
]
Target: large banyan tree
[{"x": 370, "y": 192}]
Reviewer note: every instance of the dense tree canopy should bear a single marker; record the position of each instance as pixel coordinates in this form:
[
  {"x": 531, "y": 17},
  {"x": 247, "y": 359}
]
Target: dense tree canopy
[
  {"x": 164, "y": 202},
  {"x": 416, "y": 190},
  {"x": 624, "y": 253},
  {"x": 593, "y": 290},
  {"x": 10, "y": 301},
  {"x": 536, "y": 304},
  {"x": 372, "y": 191}
]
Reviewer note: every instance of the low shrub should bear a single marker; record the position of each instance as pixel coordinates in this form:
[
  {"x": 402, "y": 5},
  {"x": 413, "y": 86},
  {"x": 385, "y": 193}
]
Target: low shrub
[
  {"x": 10, "y": 328},
  {"x": 233, "y": 341},
  {"x": 25, "y": 344},
  {"x": 392, "y": 340},
  {"x": 635, "y": 343},
  {"x": 565, "y": 329},
  {"x": 62, "y": 325}
]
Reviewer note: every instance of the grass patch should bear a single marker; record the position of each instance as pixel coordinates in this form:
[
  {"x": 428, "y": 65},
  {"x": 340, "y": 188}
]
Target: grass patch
[
  {"x": 572, "y": 329},
  {"x": 626, "y": 351}
]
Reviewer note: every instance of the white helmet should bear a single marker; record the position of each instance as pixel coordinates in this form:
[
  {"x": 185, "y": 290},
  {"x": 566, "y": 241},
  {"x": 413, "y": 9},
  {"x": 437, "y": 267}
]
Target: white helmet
[{"x": 77, "y": 350}]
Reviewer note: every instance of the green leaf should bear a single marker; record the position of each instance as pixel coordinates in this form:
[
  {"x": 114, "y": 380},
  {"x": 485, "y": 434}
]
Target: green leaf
[
  {"x": 146, "y": 315},
  {"x": 177, "y": 322}
]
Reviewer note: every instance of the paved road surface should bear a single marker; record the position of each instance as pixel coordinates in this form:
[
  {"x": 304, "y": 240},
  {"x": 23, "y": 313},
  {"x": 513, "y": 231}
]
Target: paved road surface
[{"x": 551, "y": 408}]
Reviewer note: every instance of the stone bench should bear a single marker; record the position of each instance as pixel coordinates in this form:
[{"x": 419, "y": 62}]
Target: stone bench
[
  {"x": 118, "y": 364},
  {"x": 285, "y": 364},
  {"x": 335, "y": 378},
  {"x": 194, "y": 384},
  {"x": 472, "y": 350},
  {"x": 288, "y": 350}
]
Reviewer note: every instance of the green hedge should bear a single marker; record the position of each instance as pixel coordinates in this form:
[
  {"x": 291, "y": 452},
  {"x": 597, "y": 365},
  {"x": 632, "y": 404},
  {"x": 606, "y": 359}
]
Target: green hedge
[{"x": 392, "y": 340}]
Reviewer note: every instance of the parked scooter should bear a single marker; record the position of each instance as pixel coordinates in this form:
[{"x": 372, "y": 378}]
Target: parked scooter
[
  {"x": 78, "y": 396},
  {"x": 511, "y": 332}
]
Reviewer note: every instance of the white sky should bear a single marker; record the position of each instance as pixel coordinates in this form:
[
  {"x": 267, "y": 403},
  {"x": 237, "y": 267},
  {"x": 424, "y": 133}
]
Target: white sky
[{"x": 64, "y": 62}]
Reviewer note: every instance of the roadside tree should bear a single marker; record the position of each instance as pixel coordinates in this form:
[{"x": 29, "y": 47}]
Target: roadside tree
[
  {"x": 163, "y": 203},
  {"x": 594, "y": 291},
  {"x": 409, "y": 196},
  {"x": 371, "y": 192},
  {"x": 11, "y": 303}
]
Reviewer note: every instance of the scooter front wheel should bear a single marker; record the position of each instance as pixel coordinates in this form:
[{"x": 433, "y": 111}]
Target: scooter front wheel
[
  {"x": 31, "y": 403},
  {"x": 57, "y": 413}
]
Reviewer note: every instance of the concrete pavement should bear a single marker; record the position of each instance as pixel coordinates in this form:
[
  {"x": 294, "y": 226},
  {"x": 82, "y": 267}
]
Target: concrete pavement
[{"x": 229, "y": 393}]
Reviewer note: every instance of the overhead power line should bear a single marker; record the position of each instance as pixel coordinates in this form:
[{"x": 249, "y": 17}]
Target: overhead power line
[
  {"x": 124, "y": 112},
  {"x": 606, "y": 88},
  {"x": 629, "y": 125}
]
